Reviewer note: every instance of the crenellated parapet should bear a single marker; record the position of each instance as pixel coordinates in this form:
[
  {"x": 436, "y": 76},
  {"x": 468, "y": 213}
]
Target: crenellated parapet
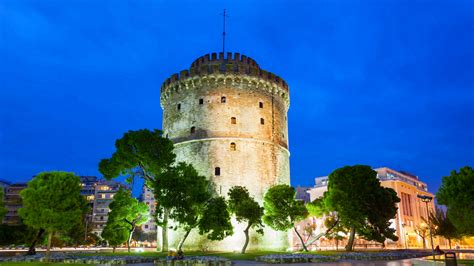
[{"x": 216, "y": 69}]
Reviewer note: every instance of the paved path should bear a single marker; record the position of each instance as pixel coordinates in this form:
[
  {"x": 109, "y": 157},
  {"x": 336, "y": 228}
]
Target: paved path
[{"x": 410, "y": 262}]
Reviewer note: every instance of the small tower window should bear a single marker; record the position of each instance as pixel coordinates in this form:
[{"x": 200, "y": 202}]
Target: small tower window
[
  {"x": 217, "y": 171},
  {"x": 201, "y": 101},
  {"x": 233, "y": 147},
  {"x": 193, "y": 130},
  {"x": 233, "y": 120},
  {"x": 260, "y": 104},
  {"x": 262, "y": 121},
  {"x": 223, "y": 99},
  {"x": 179, "y": 106}
]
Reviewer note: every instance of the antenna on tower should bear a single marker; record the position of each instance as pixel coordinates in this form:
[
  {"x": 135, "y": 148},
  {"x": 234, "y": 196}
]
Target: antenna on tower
[{"x": 224, "y": 16}]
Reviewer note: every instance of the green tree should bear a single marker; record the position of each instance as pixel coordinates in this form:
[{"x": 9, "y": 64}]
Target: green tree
[
  {"x": 362, "y": 204},
  {"x": 245, "y": 209},
  {"x": 116, "y": 234},
  {"x": 3, "y": 210},
  {"x": 53, "y": 202},
  {"x": 143, "y": 154},
  {"x": 283, "y": 211},
  {"x": 457, "y": 193},
  {"x": 215, "y": 221},
  {"x": 442, "y": 226},
  {"x": 337, "y": 229},
  {"x": 184, "y": 193},
  {"x": 126, "y": 212}
]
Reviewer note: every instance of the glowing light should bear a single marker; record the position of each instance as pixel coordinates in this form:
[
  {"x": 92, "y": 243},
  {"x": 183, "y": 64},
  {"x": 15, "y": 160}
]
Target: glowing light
[{"x": 139, "y": 250}]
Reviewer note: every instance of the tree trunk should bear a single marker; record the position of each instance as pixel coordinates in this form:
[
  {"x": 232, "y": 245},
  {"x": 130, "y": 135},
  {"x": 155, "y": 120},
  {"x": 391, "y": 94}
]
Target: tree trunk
[
  {"x": 350, "y": 242},
  {"x": 449, "y": 242},
  {"x": 301, "y": 239},
  {"x": 130, "y": 238},
  {"x": 181, "y": 243},
  {"x": 32, "y": 249},
  {"x": 337, "y": 244},
  {"x": 323, "y": 234},
  {"x": 164, "y": 232},
  {"x": 424, "y": 242},
  {"x": 246, "y": 232},
  {"x": 48, "y": 249},
  {"x": 113, "y": 249}
]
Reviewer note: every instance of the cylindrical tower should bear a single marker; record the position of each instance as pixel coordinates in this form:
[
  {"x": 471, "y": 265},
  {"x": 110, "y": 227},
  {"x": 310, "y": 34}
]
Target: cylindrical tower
[{"x": 228, "y": 118}]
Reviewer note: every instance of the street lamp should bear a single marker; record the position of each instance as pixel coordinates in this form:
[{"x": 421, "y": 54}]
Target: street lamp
[{"x": 426, "y": 199}]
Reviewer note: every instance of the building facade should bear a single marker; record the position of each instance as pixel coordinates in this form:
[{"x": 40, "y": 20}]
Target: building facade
[
  {"x": 103, "y": 195},
  {"x": 149, "y": 199},
  {"x": 228, "y": 118},
  {"x": 13, "y": 203},
  {"x": 412, "y": 212}
]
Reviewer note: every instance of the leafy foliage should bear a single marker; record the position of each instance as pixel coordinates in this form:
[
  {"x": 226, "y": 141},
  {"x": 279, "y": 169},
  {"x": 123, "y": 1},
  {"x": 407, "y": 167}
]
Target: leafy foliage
[
  {"x": 361, "y": 203},
  {"x": 184, "y": 193},
  {"x": 246, "y": 209},
  {"x": 457, "y": 193},
  {"x": 143, "y": 154},
  {"x": 115, "y": 233},
  {"x": 52, "y": 201},
  {"x": 127, "y": 213},
  {"x": 442, "y": 226},
  {"x": 215, "y": 221},
  {"x": 282, "y": 210}
]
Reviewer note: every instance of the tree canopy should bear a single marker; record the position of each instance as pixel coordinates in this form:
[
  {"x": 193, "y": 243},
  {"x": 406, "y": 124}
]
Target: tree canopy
[
  {"x": 457, "y": 193},
  {"x": 53, "y": 202},
  {"x": 361, "y": 203},
  {"x": 142, "y": 154},
  {"x": 184, "y": 193},
  {"x": 215, "y": 221},
  {"x": 442, "y": 226},
  {"x": 282, "y": 210},
  {"x": 127, "y": 212},
  {"x": 245, "y": 209}
]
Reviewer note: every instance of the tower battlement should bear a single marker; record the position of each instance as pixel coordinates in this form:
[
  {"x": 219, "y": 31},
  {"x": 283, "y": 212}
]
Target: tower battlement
[{"x": 233, "y": 63}]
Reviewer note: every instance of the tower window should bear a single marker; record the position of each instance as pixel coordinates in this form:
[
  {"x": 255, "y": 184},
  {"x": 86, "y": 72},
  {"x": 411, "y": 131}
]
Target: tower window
[
  {"x": 262, "y": 121},
  {"x": 201, "y": 101},
  {"x": 260, "y": 104},
  {"x": 179, "y": 106},
  {"x": 217, "y": 171},
  {"x": 233, "y": 120},
  {"x": 233, "y": 147},
  {"x": 223, "y": 99},
  {"x": 193, "y": 130}
]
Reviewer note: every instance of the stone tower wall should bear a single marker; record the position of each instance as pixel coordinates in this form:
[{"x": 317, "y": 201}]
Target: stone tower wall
[{"x": 230, "y": 114}]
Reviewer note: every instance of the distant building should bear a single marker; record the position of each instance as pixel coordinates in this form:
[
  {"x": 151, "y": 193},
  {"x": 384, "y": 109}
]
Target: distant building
[
  {"x": 103, "y": 195},
  {"x": 4, "y": 184},
  {"x": 13, "y": 203},
  {"x": 88, "y": 184},
  {"x": 149, "y": 199},
  {"x": 302, "y": 193},
  {"x": 411, "y": 212}
]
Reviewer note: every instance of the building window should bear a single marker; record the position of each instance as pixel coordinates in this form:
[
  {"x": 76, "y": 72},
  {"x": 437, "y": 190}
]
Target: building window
[
  {"x": 260, "y": 104},
  {"x": 223, "y": 99},
  {"x": 201, "y": 101},
  {"x": 146, "y": 226},
  {"x": 217, "y": 171},
  {"x": 233, "y": 147},
  {"x": 193, "y": 130},
  {"x": 233, "y": 120},
  {"x": 262, "y": 121},
  {"x": 179, "y": 106}
]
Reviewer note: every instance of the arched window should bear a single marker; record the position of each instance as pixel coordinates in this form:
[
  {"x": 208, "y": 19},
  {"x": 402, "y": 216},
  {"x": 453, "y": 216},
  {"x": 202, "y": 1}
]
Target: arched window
[
  {"x": 193, "y": 130},
  {"x": 179, "y": 106},
  {"x": 223, "y": 99},
  {"x": 260, "y": 104},
  {"x": 201, "y": 101},
  {"x": 233, "y": 120},
  {"x": 217, "y": 171},
  {"x": 262, "y": 121},
  {"x": 233, "y": 147}
]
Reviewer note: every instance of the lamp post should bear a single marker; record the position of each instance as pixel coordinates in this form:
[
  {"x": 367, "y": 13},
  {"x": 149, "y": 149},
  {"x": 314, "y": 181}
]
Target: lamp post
[{"x": 426, "y": 199}]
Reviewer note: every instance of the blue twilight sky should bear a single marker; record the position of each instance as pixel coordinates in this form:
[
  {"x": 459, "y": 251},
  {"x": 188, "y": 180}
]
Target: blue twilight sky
[{"x": 378, "y": 82}]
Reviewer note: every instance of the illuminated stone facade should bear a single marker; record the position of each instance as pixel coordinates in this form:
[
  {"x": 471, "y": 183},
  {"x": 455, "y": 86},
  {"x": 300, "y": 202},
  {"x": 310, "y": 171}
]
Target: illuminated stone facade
[{"x": 228, "y": 118}]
